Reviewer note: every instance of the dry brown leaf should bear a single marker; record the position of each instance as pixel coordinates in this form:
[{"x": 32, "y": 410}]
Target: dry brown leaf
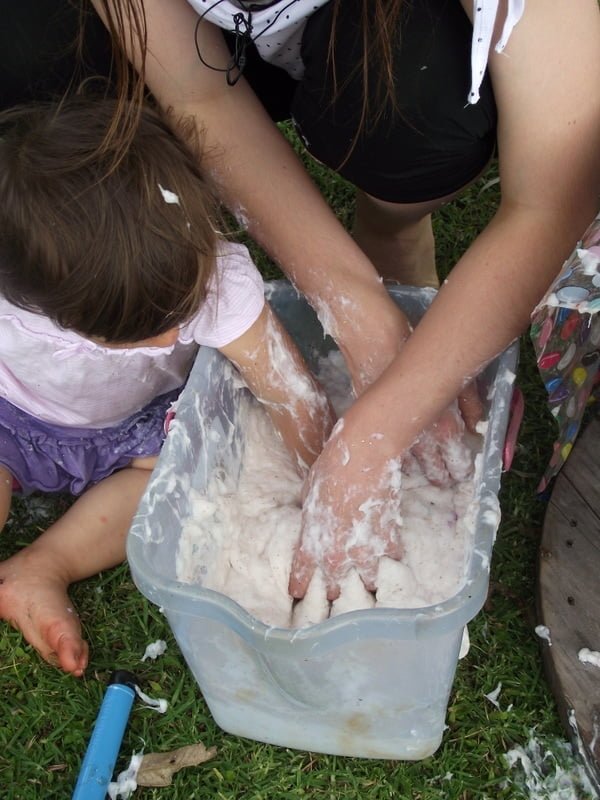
[{"x": 157, "y": 769}]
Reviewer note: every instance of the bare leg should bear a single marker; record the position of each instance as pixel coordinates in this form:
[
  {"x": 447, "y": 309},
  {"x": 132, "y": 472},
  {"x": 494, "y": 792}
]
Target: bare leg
[
  {"x": 89, "y": 538},
  {"x": 398, "y": 237},
  {"x": 6, "y": 484}
]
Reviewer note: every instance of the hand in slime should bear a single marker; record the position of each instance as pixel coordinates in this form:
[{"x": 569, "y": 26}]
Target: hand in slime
[{"x": 351, "y": 514}]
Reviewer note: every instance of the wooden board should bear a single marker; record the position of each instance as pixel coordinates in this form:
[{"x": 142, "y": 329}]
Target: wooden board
[{"x": 569, "y": 593}]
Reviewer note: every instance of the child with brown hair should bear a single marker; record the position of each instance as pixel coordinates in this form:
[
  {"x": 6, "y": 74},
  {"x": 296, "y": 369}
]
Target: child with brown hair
[{"x": 111, "y": 277}]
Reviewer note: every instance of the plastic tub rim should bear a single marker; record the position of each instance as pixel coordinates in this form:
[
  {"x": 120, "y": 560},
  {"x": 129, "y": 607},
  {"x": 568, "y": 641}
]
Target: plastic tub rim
[{"x": 409, "y": 624}]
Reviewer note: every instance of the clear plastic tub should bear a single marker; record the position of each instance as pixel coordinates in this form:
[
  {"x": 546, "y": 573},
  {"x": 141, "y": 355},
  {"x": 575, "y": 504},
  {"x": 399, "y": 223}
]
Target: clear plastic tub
[{"x": 372, "y": 683}]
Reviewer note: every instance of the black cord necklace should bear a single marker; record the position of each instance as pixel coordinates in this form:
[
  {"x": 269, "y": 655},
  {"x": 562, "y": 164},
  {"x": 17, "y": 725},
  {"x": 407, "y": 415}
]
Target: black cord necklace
[{"x": 242, "y": 38}]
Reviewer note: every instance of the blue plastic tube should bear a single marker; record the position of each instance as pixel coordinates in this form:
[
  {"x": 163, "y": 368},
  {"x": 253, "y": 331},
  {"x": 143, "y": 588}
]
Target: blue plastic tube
[{"x": 103, "y": 748}]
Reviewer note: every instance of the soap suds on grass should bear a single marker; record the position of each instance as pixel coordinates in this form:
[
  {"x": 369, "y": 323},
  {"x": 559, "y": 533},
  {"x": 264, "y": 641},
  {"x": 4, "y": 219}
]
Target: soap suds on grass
[
  {"x": 241, "y": 536},
  {"x": 494, "y": 695},
  {"x": 126, "y": 782},
  {"x": 159, "y": 704},
  {"x": 548, "y": 771},
  {"x": 154, "y": 650}
]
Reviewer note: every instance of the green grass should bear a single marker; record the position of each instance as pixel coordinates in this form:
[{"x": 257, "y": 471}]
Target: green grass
[{"x": 47, "y": 717}]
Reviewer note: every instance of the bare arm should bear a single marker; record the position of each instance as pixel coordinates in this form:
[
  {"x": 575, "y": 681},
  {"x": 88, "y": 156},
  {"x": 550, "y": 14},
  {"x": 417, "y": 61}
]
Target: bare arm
[
  {"x": 546, "y": 90},
  {"x": 277, "y": 375},
  {"x": 243, "y": 148},
  {"x": 549, "y": 147},
  {"x": 549, "y": 152}
]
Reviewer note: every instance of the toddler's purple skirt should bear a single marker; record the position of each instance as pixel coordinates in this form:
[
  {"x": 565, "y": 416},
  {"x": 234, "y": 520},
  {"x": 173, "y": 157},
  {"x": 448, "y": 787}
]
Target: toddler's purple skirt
[{"x": 55, "y": 458}]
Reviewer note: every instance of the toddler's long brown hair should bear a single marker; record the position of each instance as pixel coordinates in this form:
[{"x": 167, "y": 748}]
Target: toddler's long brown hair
[{"x": 119, "y": 253}]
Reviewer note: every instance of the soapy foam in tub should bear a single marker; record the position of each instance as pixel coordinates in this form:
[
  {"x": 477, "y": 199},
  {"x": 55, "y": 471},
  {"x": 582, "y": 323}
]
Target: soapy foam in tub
[{"x": 241, "y": 535}]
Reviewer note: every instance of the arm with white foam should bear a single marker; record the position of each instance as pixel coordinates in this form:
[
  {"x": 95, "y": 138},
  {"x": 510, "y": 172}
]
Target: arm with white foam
[
  {"x": 278, "y": 376},
  {"x": 549, "y": 151},
  {"x": 261, "y": 179}
]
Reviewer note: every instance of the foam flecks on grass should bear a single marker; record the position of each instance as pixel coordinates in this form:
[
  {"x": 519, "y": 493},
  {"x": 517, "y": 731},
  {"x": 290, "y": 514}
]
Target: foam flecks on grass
[{"x": 548, "y": 770}]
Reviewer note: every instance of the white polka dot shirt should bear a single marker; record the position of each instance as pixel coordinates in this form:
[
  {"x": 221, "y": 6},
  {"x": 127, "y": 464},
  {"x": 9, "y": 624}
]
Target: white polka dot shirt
[{"x": 277, "y": 30}]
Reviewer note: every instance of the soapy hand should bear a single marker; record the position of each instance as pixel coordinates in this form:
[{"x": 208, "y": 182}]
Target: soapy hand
[
  {"x": 441, "y": 452},
  {"x": 470, "y": 406},
  {"x": 351, "y": 514}
]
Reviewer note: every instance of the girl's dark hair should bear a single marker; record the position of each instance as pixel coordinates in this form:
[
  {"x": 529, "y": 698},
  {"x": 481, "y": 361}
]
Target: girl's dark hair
[
  {"x": 380, "y": 30},
  {"x": 380, "y": 25},
  {"x": 115, "y": 250}
]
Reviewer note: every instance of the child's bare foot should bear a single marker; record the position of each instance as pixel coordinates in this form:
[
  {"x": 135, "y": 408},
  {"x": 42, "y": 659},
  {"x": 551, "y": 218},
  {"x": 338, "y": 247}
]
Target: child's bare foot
[{"x": 34, "y": 600}]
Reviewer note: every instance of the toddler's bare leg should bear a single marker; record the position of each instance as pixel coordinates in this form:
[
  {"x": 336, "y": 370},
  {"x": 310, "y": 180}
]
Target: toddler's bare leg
[
  {"x": 6, "y": 484},
  {"x": 89, "y": 538}
]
